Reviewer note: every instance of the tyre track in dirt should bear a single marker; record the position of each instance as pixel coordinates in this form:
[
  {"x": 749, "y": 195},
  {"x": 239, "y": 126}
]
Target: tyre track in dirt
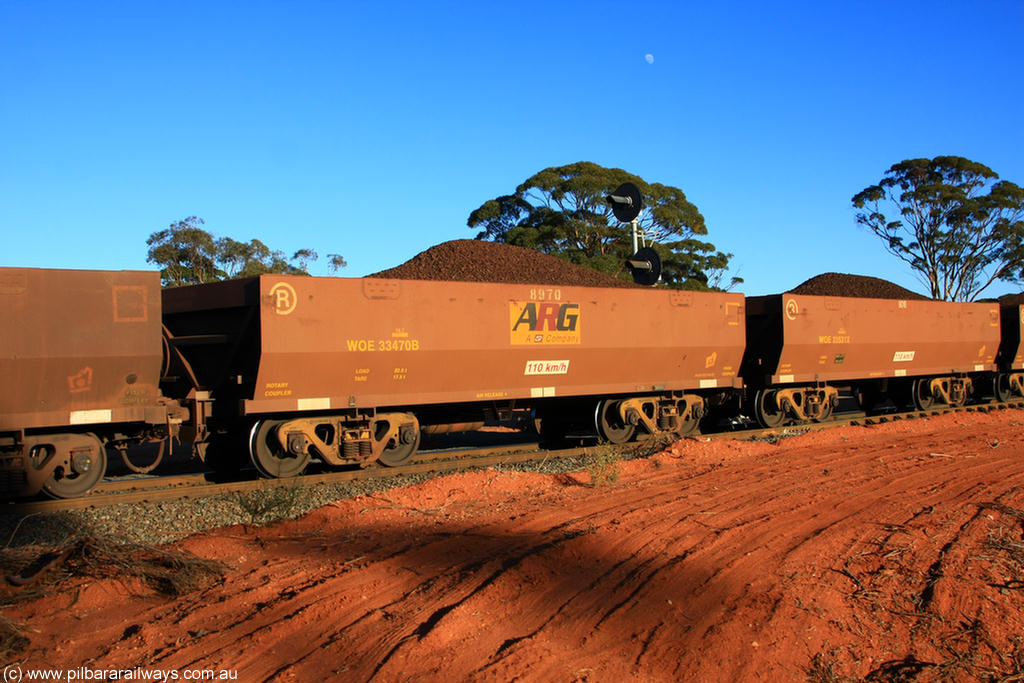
[{"x": 735, "y": 562}]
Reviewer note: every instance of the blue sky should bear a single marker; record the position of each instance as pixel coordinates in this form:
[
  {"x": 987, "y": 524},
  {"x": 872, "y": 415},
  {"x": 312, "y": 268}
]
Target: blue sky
[{"x": 373, "y": 129}]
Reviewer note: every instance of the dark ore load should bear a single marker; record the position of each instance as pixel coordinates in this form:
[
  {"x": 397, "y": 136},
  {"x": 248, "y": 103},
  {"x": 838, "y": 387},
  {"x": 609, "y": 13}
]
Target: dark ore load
[
  {"x": 863, "y": 286},
  {"x": 479, "y": 261}
]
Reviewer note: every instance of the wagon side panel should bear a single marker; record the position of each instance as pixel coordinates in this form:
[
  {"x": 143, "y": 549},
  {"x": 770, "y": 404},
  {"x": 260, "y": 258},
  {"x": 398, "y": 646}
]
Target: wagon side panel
[
  {"x": 843, "y": 338},
  {"x": 79, "y": 347},
  {"x": 329, "y": 343}
]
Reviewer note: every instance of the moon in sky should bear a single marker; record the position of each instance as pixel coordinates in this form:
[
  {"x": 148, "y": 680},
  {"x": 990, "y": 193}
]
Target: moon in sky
[{"x": 649, "y": 57}]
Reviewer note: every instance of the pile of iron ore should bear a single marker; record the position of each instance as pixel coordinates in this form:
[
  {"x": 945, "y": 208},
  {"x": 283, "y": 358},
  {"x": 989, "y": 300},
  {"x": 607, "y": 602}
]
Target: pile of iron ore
[
  {"x": 479, "y": 261},
  {"x": 842, "y": 284},
  {"x": 1012, "y": 299}
]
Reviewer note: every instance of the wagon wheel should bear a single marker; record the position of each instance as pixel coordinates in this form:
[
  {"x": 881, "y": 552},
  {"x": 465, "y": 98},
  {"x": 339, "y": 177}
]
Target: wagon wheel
[
  {"x": 1001, "y": 390},
  {"x": 399, "y": 453},
  {"x": 86, "y": 468},
  {"x": 922, "y": 393},
  {"x": 767, "y": 410},
  {"x": 1016, "y": 390},
  {"x": 826, "y": 411},
  {"x": 685, "y": 426},
  {"x": 267, "y": 455},
  {"x": 610, "y": 426}
]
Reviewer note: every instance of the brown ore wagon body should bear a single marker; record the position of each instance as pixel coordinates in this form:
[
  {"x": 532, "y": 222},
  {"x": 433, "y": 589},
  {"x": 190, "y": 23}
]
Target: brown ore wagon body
[
  {"x": 800, "y": 338},
  {"x": 80, "y": 355},
  {"x": 329, "y": 343},
  {"x": 288, "y": 345},
  {"x": 809, "y": 340}
]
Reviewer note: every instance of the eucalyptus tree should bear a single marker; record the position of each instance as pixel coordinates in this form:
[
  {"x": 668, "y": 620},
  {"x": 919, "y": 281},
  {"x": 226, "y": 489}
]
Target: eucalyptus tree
[
  {"x": 563, "y": 211},
  {"x": 187, "y": 254},
  {"x": 952, "y": 220}
]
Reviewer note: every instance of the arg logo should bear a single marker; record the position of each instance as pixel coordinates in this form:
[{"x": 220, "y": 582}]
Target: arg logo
[{"x": 544, "y": 323}]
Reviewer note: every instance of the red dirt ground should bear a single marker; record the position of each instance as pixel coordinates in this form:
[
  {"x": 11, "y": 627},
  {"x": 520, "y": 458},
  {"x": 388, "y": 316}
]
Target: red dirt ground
[{"x": 882, "y": 553}]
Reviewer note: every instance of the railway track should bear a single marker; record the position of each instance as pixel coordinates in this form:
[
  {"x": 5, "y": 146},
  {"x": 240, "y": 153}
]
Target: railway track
[
  {"x": 153, "y": 489},
  {"x": 200, "y": 484}
]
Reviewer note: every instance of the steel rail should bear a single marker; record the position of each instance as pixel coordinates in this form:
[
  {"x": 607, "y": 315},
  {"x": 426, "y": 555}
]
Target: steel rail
[
  {"x": 158, "y": 489},
  {"x": 198, "y": 485}
]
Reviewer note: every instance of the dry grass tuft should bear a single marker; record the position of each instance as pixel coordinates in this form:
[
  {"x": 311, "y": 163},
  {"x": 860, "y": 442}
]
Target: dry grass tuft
[
  {"x": 822, "y": 669},
  {"x": 603, "y": 465},
  {"x": 12, "y": 640},
  {"x": 168, "y": 572},
  {"x": 272, "y": 503}
]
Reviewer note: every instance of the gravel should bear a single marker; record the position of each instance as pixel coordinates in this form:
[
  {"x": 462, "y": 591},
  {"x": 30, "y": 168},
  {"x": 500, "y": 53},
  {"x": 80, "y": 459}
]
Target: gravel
[{"x": 158, "y": 523}]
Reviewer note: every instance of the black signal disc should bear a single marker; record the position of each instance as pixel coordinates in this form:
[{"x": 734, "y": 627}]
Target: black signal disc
[
  {"x": 646, "y": 275},
  {"x": 629, "y": 209}
]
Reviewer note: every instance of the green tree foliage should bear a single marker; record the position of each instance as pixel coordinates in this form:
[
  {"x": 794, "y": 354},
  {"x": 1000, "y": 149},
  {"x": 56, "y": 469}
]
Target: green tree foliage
[
  {"x": 562, "y": 211},
  {"x": 952, "y": 220},
  {"x": 245, "y": 259},
  {"x": 188, "y": 255},
  {"x": 336, "y": 262}
]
